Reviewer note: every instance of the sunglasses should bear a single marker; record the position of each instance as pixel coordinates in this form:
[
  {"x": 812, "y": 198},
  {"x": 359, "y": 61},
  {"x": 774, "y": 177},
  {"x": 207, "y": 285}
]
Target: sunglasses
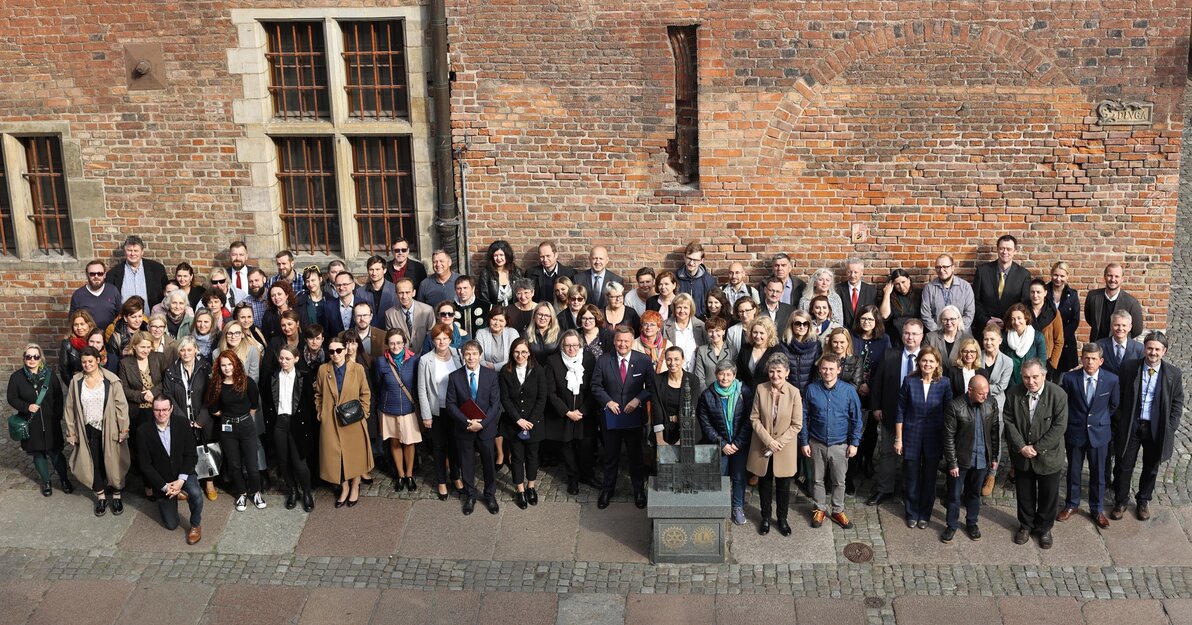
[
  {"x": 336, "y": 350},
  {"x": 446, "y": 314},
  {"x": 32, "y": 356},
  {"x": 95, "y": 274},
  {"x": 800, "y": 324},
  {"x": 400, "y": 250},
  {"x": 219, "y": 281}
]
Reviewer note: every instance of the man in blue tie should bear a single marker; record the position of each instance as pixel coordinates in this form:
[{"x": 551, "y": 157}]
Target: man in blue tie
[
  {"x": 1093, "y": 397},
  {"x": 474, "y": 402}
]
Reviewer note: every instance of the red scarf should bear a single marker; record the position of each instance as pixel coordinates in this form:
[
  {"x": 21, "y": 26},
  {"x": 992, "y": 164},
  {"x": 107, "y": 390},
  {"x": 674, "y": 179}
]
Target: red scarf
[{"x": 78, "y": 342}]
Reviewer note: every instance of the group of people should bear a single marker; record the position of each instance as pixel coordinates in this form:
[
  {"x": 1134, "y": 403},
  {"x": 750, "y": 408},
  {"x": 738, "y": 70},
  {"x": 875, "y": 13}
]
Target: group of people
[{"x": 317, "y": 374}]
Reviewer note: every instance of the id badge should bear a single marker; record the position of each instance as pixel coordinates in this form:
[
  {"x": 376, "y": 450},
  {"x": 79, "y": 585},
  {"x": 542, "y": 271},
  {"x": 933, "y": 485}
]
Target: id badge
[{"x": 227, "y": 427}]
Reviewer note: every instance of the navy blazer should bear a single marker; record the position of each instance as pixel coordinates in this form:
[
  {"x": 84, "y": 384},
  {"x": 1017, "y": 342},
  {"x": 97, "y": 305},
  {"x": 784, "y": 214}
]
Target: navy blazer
[
  {"x": 488, "y": 398},
  {"x": 331, "y": 322},
  {"x": 607, "y": 385},
  {"x": 1092, "y": 425},
  {"x": 922, "y": 418},
  {"x": 1134, "y": 351},
  {"x": 715, "y": 426},
  {"x": 1166, "y": 410},
  {"x": 388, "y": 300}
]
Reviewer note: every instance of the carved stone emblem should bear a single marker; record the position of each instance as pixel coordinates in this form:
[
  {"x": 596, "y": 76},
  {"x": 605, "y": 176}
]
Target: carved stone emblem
[{"x": 1118, "y": 113}]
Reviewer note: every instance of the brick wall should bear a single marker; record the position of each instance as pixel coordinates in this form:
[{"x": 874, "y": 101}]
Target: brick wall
[{"x": 938, "y": 125}]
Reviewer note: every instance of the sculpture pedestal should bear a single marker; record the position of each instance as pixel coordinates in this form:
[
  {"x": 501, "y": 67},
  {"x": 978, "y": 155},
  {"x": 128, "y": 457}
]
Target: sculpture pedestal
[{"x": 688, "y": 528}]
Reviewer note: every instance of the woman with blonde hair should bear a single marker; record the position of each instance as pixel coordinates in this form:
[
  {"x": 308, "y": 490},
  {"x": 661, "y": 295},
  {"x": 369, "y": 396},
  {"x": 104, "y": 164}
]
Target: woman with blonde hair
[
  {"x": 802, "y": 347},
  {"x": 544, "y": 332},
  {"x": 761, "y": 342},
  {"x": 246, "y": 348}
]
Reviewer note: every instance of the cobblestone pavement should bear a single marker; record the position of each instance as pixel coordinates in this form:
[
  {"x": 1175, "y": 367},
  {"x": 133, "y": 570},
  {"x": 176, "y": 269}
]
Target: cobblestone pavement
[{"x": 566, "y": 562}]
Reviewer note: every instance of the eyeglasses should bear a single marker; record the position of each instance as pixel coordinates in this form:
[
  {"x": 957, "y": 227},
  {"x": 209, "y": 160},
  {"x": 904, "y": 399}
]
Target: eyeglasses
[
  {"x": 400, "y": 250},
  {"x": 95, "y": 274},
  {"x": 950, "y": 319},
  {"x": 236, "y": 333},
  {"x": 943, "y": 266},
  {"x": 336, "y": 350},
  {"x": 157, "y": 326},
  {"x": 745, "y": 310},
  {"x": 587, "y": 319},
  {"x": 692, "y": 260},
  {"x": 868, "y": 320},
  {"x": 224, "y": 281},
  {"x": 542, "y": 316},
  {"x": 33, "y": 357}
]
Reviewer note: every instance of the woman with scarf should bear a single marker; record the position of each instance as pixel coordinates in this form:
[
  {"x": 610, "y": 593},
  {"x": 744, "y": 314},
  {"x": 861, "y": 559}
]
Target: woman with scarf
[
  {"x": 1046, "y": 320},
  {"x": 81, "y": 324},
  {"x": 395, "y": 373},
  {"x": 36, "y": 395},
  {"x": 205, "y": 334},
  {"x": 1021, "y": 341},
  {"x": 570, "y": 416},
  {"x": 1067, "y": 304},
  {"x": 433, "y": 369},
  {"x": 672, "y": 398},
  {"x": 178, "y": 315},
  {"x": 97, "y": 426},
  {"x": 185, "y": 382},
  {"x": 543, "y": 333},
  {"x": 523, "y": 397},
  {"x": 651, "y": 341},
  {"x": 723, "y": 414}
]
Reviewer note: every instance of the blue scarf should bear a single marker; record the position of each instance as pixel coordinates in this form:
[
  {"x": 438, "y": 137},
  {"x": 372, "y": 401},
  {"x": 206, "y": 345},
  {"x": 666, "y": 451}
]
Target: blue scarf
[{"x": 728, "y": 401}]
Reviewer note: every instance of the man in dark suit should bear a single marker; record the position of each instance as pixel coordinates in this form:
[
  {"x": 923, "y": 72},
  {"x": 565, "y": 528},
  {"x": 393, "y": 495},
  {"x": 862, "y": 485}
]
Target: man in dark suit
[
  {"x": 166, "y": 457},
  {"x": 1093, "y": 397},
  {"x": 410, "y": 314},
  {"x": 1101, "y": 304},
  {"x": 597, "y": 276},
  {"x": 792, "y": 287},
  {"x": 773, "y": 307},
  {"x": 1152, "y": 403},
  {"x": 239, "y": 270},
  {"x": 474, "y": 401},
  {"x": 138, "y": 275},
  {"x": 885, "y": 385},
  {"x": 402, "y": 266},
  {"x": 854, "y": 292},
  {"x": 1036, "y": 418},
  {"x": 1000, "y": 283},
  {"x": 620, "y": 385},
  {"x": 543, "y": 276},
  {"x": 1118, "y": 348},
  {"x": 337, "y": 311}
]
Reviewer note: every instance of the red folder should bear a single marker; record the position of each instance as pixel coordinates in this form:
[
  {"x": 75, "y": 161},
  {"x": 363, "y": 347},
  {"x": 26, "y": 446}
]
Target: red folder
[{"x": 472, "y": 410}]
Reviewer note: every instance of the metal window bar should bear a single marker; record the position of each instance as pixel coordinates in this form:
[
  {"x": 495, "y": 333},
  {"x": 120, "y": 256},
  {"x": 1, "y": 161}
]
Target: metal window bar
[
  {"x": 8, "y": 243},
  {"x": 47, "y": 190},
  {"x": 297, "y": 57},
  {"x": 383, "y": 173},
  {"x": 375, "y": 63},
  {"x": 309, "y": 208}
]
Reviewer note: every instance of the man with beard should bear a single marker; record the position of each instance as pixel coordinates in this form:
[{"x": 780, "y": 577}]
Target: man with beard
[
  {"x": 286, "y": 273},
  {"x": 238, "y": 272},
  {"x": 257, "y": 295}
]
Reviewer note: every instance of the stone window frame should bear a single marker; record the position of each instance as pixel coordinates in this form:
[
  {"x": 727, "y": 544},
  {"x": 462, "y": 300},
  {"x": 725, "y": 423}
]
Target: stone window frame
[
  {"x": 84, "y": 198},
  {"x": 261, "y": 199}
]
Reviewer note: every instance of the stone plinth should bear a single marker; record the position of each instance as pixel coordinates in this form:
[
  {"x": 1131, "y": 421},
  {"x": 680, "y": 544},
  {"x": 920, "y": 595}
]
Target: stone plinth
[{"x": 688, "y": 528}]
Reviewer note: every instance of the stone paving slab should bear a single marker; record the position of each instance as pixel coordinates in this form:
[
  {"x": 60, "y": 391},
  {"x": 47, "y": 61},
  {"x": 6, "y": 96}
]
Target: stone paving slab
[
  {"x": 520, "y": 608},
  {"x": 670, "y": 610},
  {"x": 544, "y": 533},
  {"x": 371, "y": 528},
  {"x": 417, "y": 607},
  {"x": 239, "y": 604},
  {"x": 1179, "y": 611},
  {"x": 1040, "y": 610},
  {"x": 904, "y": 544},
  {"x": 619, "y": 533},
  {"x": 1078, "y": 542},
  {"x": 438, "y": 529},
  {"x": 19, "y": 598},
  {"x": 834, "y": 611},
  {"x": 769, "y": 609},
  {"x": 805, "y": 544},
  {"x": 946, "y": 611},
  {"x": 147, "y": 533},
  {"x": 591, "y": 609},
  {"x": 1125, "y": 611},
  {"x": 84, "y": 602},
  {"x": 31, "y": 521},
  {"x": 272, "y": 531},
  {"x": 339, "y": 606},
  {"x": 156, "y": 602},
  {"x": 1157, "y": 542}
]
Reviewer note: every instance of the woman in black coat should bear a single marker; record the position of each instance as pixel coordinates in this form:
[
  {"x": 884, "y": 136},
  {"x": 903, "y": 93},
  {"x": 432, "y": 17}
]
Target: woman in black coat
[
  {"x": 293, "y": 428},
  {"x": 571, "y": 414},
  {"x": 672, "y": 399},
  {"x": 1067, "y": 303},
  {"x": 185, "y": 382},
  {"x": 523, "y": 397},
  {"x": 45, "y": 418}
]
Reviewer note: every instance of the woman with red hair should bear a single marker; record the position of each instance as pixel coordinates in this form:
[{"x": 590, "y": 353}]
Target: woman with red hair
[{"x": 233, "y": 399}]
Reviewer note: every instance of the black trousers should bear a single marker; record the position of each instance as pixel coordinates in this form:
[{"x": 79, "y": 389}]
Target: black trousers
[
  {"x": 523, "y": 459},
  {"x": 1038, "y": 500},
  {"x": 442, "y": 436},
  {"x": 965, "y": 490},
  {"x": 289, "y": 458},
  {"x": 631, "y": 438},
  {"x": 770, "y": 488},
  {"x": 1152, "y": 451},
  {"x": 862, "y": 463},
  {"x": 240, "y": 453},
  {"x": 99, "y": 473},
  {"x": 579, "y": 458},
  {"x": 136, "y": 416},
  {"x": 469, "y": 443}
]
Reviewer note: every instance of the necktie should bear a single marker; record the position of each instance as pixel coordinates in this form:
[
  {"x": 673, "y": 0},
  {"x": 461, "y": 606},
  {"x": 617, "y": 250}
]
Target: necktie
[
  {"x": 910, "y": 365},
  {"x": 595, "y": 287},
  {"x": 854, "y": 299},
  {"x": 1119, "y": 351},
  {"x": 409, "y": 321},
  {"x": 1001, "y": 283},
  {"x": 472, "y": 383},
  {"x": 1088, "y": 390},
  {"x": 624, "y": 370}
]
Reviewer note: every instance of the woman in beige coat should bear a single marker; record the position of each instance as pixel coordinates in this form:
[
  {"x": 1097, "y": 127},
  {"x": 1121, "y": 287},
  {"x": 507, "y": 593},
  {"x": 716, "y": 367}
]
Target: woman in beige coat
[
  {"x": 97, "y": 425},
  {"x": 777, "y": 417},
  {"x": 344, "y": 451}
]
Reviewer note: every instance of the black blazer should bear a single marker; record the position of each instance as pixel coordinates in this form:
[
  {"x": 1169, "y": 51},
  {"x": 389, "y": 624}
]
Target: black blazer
[
  {"x": 607, "y": 385},
  {"x": 781, "y": 316},
  {"x": 585, "y": 278},
  {"x": 45, "y": 425},
  {"x": 544, "y": 285},
  {"x": 1166, "y": 410},
  {"x": 155, "y": 280},
  {"x": 560, "y": 400},
  {"x": 868, "y": 295},
  {"x": 670, "y": 421},
  {"x": 158, "y": 467},
  {"x": 1096, "y": 304},
  {"x": 415, "y": 271},
  {"x": 885, "y": 386},
  {"x": 751, "y": 377},
  {"x": 522, "y": 401},
  {"x": 988, "y": 304},
  {"x": 304, "y": 428},
  {"x": 174, "y": 387}
]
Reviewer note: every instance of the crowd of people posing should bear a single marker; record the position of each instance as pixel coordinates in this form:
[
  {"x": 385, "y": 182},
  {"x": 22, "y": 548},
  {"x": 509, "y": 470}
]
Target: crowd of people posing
[{"x": 317, "y": 376}]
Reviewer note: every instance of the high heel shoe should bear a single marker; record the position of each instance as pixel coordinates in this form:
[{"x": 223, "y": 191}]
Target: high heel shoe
[
  {"x": 340, "y": 503},
  {"x": 443, "y": 496},
  {"x": 411, "y": 484}
]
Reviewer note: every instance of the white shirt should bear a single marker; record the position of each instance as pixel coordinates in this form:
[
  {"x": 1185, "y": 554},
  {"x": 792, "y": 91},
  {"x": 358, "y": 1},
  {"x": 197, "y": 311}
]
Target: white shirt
[
  {"x": 685, "y": 338},
  {"x": 285, "y": 392}
]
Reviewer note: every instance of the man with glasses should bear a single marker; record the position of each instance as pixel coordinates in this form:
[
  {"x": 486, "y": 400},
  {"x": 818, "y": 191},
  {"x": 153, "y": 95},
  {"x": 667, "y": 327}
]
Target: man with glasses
[
  {"x": 636, "y": 299},
  {"x": 337, "y": 312},
  {"x": 792, "y": 287},
  {"x": 773, "y": 306},
  {"x": 1152, "y": 392},
  {"x": 695, "y": 279},
  {"x": 547, "y": 271},
  {"x": 372, "y": 338},
  {"x": 946, "y": 289},
  {"x": 409, "y": 314},
  {"x": 854, "y": 292},
  {"x": 737, "y": 287},
  {"x": 440, "y": 285},
  {"x": 744, "y": 311},
  {"x": 597, "y": 276},
  {"x": 97, "y": 297},
  {"x": 886, "y": 385},
  {"x": 138, "y": 275},
  {"x": 403, "y": 267},
  {"x": 287, "y": 273}
]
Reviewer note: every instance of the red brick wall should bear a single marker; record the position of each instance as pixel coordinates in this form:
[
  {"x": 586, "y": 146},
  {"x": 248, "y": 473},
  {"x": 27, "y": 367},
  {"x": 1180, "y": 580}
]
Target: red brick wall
[{"x": 937, "y": 125}]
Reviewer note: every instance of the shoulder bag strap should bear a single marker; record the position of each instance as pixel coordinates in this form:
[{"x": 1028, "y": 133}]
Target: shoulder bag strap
[{"x": 399, "y": 382}]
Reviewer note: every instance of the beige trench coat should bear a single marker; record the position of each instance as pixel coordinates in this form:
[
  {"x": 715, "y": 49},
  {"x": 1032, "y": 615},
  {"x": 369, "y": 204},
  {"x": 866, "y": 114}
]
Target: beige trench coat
[
  {"x": 116, "y": 456},
  {"x": 783, "y": 427},
  {"x": 346, "y": 446}
]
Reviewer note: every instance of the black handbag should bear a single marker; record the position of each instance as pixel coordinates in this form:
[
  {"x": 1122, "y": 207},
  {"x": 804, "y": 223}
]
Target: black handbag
[{"x": 349, "y": 412}]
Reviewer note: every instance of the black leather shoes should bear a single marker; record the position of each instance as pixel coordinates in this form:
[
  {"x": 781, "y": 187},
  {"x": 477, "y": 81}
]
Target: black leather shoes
[
  {"x": 291, "y": 500},
  {"x": 1022, "y": 536},
  {"x": 492, "y": 505},
  {"x": 66, "y": 486},
  {"x": 948, "y": 535},
  {"x": 784, "y": 528},
  {"x": 411, "y": 484},
  {"x": 532, "y": 496},
  {"x": 47, "y": 489},
  {"x": 572, "y": 487},
  {"x": 308, "y": 502},
  {"x": 1045, "y": 541},
  {"x": 443, "y": 496},
  {"x": 603, "y": 499},
  {"x": 101, "y": 507},
  {"x": 639, "y": 499},
  {"x": 520, "y": 499},
  {"x": 117, "y": 506},
  {"x": 876, "y": 499},
  {"x": 469, "y": 505},
  {"x": 763, "y": 528},
  {"x": 974, "y": 532}
]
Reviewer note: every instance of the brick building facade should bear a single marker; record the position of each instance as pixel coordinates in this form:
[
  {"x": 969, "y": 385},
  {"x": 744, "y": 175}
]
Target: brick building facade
[{"x": 891, "y": 131}]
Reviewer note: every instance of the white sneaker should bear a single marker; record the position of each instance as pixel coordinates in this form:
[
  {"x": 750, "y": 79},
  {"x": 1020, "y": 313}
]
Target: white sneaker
[
  {"x": 258, "y": 501},
  {"x": 241, "y": 503}
]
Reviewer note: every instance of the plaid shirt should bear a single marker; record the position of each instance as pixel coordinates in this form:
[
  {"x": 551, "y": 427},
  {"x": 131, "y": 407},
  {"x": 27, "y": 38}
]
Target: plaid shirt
[{"x": 297, "y": 283}]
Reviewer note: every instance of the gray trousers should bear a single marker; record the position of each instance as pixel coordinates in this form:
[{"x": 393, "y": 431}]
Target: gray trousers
[
  {"x": 831, "y": 462},
  {"x": 887, "y": 462}
]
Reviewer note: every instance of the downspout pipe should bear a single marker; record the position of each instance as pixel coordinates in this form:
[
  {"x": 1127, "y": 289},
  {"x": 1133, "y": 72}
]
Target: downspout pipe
[{"x": 447, "y": 218}]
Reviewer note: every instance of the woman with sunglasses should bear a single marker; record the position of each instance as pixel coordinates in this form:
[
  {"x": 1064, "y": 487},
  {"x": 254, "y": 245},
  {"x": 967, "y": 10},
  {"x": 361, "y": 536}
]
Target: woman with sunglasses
[
  {"x": 218, "y": 279},
  {"x": 577, "y": 296},
  {"x": 178, "y": 314},
  {"x": 35, "y": 393},
  {"x": 445, "y": 313},
  {"x": 802, "y": 347}
]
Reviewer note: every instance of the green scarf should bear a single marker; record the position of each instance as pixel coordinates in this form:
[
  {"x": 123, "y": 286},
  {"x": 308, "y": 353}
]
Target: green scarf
[{"x": 728, "y": 401}]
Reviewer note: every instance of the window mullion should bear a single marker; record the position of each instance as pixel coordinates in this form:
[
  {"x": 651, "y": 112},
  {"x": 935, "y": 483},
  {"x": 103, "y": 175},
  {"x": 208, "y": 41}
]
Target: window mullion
[
  {"x": 346, "y": 188},
  {"x": 336, "y": 72}
]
